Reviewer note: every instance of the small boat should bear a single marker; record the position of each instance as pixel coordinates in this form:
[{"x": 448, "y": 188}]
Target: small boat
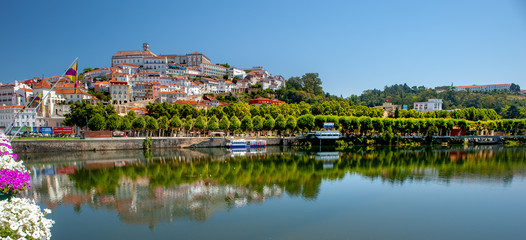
[
  {"x": 327, "y": 135},
  {"x": 242, "y": 143}
]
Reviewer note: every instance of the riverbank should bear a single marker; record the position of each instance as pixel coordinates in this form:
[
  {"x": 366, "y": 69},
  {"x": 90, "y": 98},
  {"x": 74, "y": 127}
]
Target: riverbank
[{"x": 103, "y": 144}]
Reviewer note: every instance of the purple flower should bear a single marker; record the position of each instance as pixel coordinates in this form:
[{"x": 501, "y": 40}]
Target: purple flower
[
  {"x": 6, "y": 145},
  {"x": 13, "y": 181}
]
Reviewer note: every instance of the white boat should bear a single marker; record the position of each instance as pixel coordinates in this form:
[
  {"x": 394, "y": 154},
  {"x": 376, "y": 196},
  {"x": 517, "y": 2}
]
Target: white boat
[
  {"x": 327, "y": 134},
  {"x": 242, "y": 143}
]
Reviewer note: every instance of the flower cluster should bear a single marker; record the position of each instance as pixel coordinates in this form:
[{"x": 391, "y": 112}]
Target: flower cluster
[
  {"x": 21, "y": 218},
  {"x": 13, "y": 181},
  {"x": 7, "y": 157}
]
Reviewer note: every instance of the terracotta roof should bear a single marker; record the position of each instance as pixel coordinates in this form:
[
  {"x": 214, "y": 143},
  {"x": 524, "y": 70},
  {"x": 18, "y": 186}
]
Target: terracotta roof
[
  {"x": 70, "y": 91},
  {"x": 128, "y": 64},
  {"x": 489, "y": 85},
  {"x": 210, "y": 98},
  {"x": 146, "y": 73},
  {"x": 183, "y": 102},
  {"x": 115, "y": 82},
  {"x": 26, "y": 90},
  {"x": 43, "y": 84},
  {"x": 10, "y": 107},
  {"x": 67, "y": 85},
  {"x": 134, "y": 53},
  {"x": 170, "y": 55}
]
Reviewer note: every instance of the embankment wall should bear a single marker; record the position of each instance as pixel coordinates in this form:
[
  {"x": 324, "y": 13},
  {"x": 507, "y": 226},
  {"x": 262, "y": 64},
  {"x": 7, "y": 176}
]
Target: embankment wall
[{"x": 101, "y": 144}]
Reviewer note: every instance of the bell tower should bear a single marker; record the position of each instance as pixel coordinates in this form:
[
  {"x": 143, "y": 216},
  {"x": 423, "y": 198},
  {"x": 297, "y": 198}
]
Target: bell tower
[{"x": 146, "y": 47}]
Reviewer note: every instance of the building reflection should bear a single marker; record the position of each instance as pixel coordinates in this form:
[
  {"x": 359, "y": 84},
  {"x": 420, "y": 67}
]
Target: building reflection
[{"x": 170, "y": 185}]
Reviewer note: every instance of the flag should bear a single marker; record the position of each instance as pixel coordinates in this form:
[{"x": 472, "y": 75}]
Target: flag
[
  {"x": 38, "y": 98},
  {"x": 72, "y": 72}
]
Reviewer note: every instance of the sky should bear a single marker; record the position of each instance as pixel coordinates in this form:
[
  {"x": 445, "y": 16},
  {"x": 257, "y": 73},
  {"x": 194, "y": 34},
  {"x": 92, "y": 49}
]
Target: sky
[{"x": 353, "y": 45}]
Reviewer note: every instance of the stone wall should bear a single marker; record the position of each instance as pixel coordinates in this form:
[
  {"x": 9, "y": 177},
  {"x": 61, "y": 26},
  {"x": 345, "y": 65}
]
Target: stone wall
[{"x": 101, "y": 144}]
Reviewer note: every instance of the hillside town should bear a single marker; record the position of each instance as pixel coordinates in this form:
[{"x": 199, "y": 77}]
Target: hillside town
[
  {"x": 134, "y": 79},
  {"x": 137, "y": 78}
]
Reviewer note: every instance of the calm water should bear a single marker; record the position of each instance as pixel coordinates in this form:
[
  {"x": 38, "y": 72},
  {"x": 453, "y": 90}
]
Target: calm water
[{"x": 284, "y": 193}]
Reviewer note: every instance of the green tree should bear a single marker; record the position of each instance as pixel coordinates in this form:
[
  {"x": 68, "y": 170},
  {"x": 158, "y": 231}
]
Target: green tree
[
  {"x": 319, "y": 121},
  {"x": 246, "y": 124},
  {"x": 97, "y": 123},
  {"x": 113, "y": 122},
  {"x": 213, "y": 123},
  {"x": 163, "y": 124},
  {"x": 515, "y": 88},
  {"x": 200, "y": 124},
  {"x": 130, "y": 115},
  {"x": 175, "y": 123},
  {"x": 125, "y": 124},
  {"x": 257, "y": 124},
  {"x": 138, "y": 125},
  {"x": 291, "y": 123},
  {"x": 312, "y": 83},
  {"x": 306, "y": 122},
  {"x": 366, "y": 125},
  {"x": 188, "y": 124},
  {"x": 268, "y": 124},
  {"x": 224, "y": 123},
  {"x": 151, "y": 124},
  {"x": 281, "y": 123},
  {"x": 235, "y": 124}
]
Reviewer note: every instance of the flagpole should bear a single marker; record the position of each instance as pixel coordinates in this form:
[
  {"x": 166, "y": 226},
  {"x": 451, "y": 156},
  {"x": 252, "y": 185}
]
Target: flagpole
[{"x": 41, "y": 101}]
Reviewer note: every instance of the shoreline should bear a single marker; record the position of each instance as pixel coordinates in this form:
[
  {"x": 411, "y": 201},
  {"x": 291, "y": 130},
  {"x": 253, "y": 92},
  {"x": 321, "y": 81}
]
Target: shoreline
[
  {"x": 130, "y": 143},
  {"x": 134, "y": 143}
]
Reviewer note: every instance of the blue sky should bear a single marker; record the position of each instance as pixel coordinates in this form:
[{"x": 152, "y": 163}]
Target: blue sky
[{"x": 353, "y": 45}]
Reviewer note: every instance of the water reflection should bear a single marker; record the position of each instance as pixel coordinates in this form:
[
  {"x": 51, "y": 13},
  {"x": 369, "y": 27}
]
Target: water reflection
[{"x": 167, "y": 185}]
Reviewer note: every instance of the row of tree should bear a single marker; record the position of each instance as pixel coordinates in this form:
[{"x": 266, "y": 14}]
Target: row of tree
[
  {"x": 472, "y": 114},
  {"x": 166, "y": 119},
  {"x": 267, "y": 125}
]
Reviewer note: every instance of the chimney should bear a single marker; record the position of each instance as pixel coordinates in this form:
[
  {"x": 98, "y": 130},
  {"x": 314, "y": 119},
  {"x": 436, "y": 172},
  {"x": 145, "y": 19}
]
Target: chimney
[{"x": 146, "y": 47}]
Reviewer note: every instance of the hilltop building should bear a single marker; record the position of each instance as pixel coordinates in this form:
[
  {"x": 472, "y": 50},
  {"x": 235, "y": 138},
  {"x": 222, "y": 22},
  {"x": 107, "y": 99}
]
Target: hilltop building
[
  {"x": 484, "y": 88},
  {"x": 430, "y": 105}
]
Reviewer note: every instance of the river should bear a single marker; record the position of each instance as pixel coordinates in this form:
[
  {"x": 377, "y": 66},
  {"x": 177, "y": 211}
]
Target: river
[{"x": 475, "y": 192}]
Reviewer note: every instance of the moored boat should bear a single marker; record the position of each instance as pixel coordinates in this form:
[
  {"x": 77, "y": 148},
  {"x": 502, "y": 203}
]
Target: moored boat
[{"x": 242, "y": 143}]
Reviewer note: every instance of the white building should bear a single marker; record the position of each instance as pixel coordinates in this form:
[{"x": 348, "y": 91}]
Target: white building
[
  {"x": 26, "y": 118},
  {"x": 430, "y": 105},
  {"x": 155, "y": 64},
  {"x": 235, "y": 72},
  {"x": 172, "y": 96},
  {"x": 484, "y": 88},
  {"x": 97, "y": 73},
  {"x": 149, "y": 77},
  {"x": 210, "y": 85},
  {"x": 129, "y": 68},
  {"x": 10, "y": 94},
  {"x": 132, "y": 57},
  {"x": 120, "y": 91},
  {"x": 213, "y": 70}
]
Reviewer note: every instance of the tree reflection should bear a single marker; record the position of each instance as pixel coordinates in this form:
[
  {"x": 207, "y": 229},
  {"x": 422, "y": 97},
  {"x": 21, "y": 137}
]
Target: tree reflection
[{"x": 165, "y": 186}]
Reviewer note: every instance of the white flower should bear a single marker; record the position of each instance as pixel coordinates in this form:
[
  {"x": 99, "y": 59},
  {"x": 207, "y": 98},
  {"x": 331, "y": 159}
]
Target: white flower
[
  {"x": 47, "y": 211},
  {"x": 26, "y": 218},
  {"x": 7, "y": 162}
]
